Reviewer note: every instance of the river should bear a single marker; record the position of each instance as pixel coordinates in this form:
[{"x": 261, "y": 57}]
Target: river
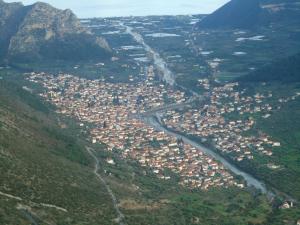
[
  {"x": 250, "y": 180},
  {"x": 158, "y": 61},
  {"x": 151, "y": 120}
]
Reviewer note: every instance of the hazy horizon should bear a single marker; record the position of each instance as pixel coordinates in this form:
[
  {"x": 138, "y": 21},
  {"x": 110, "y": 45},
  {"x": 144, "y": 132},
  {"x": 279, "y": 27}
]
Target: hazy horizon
[{"x": 116, "y": 8}]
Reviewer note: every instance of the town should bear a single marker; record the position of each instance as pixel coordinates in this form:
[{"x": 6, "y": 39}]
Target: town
[
  {"x": 109, "y": 107},
  {"x": 226, "y": 119},
  {"x": 223, "y": 121}
]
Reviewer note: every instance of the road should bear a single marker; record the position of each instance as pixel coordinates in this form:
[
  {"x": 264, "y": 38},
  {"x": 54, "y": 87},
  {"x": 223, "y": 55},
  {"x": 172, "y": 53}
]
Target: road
[
  {"x": 120, "y": 215},
  {"x": 29, "y": 217},
  {"x": 168, "y": 107},
  {"x": 164, "y": 108}
]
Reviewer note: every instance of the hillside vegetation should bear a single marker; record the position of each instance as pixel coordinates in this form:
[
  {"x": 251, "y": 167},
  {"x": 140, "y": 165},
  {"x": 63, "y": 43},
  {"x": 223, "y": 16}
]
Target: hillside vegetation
[
  {"x": 285, "y": 70},
  {"x": 44, "y": 165},
  {"x": 249, "y": 14}
]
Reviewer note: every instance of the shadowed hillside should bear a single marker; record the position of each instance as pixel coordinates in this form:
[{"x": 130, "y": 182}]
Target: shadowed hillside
[
  {"x": 285, "y": 70},
  {"x": 247, "y": 14}
]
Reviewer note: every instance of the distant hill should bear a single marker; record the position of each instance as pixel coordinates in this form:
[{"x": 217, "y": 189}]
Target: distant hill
[
  {"x": 247, "y": 14},
  {"x": 40, "y": 31},
  {"x": 285, "y": 70}
]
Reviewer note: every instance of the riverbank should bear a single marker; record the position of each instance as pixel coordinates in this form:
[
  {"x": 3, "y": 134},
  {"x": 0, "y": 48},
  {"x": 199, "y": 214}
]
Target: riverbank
[{"x": 251, "y": 180}]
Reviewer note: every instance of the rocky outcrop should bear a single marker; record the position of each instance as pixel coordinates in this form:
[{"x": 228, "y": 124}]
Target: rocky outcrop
[
  {"x": 11, "y": 16},
  {"x": 40, "y": 31}
]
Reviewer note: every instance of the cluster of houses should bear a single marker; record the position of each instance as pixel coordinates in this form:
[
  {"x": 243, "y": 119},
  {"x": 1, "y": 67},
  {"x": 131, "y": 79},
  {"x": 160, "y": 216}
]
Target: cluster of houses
[
  {"x": 226, "y": 121},
  {"x": 109, "y": 108}
]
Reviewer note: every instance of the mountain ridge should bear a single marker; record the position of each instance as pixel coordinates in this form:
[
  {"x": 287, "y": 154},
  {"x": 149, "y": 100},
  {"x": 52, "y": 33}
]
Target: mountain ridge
[
  {"x": 248, "y": 14},
  {"x": 27, "y": 30}
]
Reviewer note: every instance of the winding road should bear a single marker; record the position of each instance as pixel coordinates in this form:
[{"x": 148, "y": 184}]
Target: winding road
[{"x": 120, "y": 215}]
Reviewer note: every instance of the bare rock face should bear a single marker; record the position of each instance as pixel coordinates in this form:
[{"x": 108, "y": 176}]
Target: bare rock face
[
  {"x": 41, "y": 31},
  {"x": 10, "y": 17}
]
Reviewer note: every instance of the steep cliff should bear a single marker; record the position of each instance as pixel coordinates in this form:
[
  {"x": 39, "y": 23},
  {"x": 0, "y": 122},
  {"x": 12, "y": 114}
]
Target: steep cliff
[{"x": 40, "y": 31}]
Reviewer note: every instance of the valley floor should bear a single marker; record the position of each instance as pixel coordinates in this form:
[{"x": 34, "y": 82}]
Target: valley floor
[{"x": 74, "y": 151}]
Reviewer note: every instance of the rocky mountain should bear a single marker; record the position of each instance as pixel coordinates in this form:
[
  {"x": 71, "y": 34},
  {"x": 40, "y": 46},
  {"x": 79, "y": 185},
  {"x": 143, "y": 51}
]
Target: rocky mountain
[
  {"x": 250, "y": 13},
  {"x": 40, "y": 31}
]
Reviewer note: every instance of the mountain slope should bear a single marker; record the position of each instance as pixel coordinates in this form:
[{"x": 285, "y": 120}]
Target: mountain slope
[
  {"x": 44, "y": 169},
  {"x": 47, "y": 177},
  {"x": 11, "y": 15},
  {"x": 235, "y": 14},
  {"x": 246, "y": 14},
  {"x": 284, "y": 70},
  {"x": 40, "y": 31}
]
